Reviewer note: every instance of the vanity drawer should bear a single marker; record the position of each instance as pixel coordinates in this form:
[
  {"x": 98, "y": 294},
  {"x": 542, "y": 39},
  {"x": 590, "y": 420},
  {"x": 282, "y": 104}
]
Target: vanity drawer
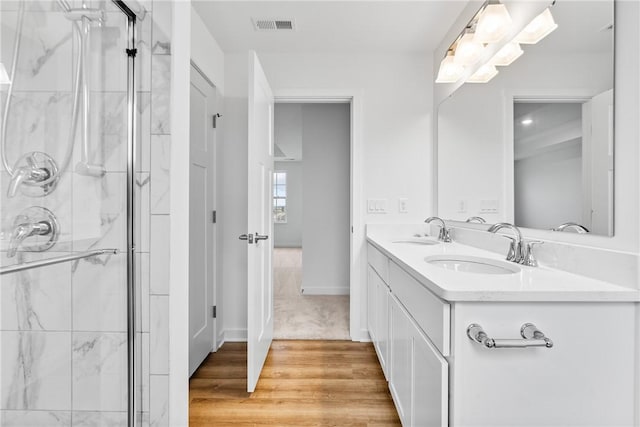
[
  {"x": 430, "y": 312},
  {"x": 378, "y": 261}
]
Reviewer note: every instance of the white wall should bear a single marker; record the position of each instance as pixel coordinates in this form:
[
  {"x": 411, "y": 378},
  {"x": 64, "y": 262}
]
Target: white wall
[
  {"x": 288, "y": 129},
  {"x": 205, "y": 52},
  {"x": 395, "y": 129},
  {"x": 548, "y": 188},
  {"x": 326, "y": 225},
  {"x": 289, "y": 234}
]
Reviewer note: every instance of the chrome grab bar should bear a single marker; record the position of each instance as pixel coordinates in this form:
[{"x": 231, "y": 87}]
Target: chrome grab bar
[
  {"x": 532, "y": 337},
  {"x": 57, "y": 260}
]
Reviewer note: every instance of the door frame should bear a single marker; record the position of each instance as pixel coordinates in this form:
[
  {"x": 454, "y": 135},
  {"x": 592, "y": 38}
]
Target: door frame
[{"x": 357, "y": 269}]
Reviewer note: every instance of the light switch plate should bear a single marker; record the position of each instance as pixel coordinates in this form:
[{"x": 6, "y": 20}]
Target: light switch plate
[{"x": 376, "y": 206}]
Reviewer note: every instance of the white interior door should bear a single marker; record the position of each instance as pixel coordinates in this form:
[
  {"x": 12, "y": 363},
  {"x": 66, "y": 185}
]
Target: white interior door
[
  {"x": 201, "y": 227},
  {"x": 260, "y": 224}
]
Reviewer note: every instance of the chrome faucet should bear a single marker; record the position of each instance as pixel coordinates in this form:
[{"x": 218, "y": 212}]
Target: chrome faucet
[
  {"x": 443, "y": 236},
  {"x": 515, "y": 249},
  {"x": 25, "y": 230},
  {"x": 478, "y": 219},
  {"x": 580, "y": 229},
  {"x": 520, "y": 251}
]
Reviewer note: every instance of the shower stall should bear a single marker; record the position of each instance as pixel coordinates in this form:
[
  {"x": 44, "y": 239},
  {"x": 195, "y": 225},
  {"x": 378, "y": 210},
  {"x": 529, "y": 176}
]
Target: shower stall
[{"x": 71, "y": 349}]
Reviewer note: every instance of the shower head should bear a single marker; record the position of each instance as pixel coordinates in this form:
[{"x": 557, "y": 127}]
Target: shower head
[{"x": 87, "y": 169}]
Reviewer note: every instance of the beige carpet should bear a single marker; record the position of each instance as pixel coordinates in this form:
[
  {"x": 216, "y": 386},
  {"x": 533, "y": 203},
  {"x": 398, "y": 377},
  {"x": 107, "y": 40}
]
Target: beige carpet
[{"x": 304, "y": 317}]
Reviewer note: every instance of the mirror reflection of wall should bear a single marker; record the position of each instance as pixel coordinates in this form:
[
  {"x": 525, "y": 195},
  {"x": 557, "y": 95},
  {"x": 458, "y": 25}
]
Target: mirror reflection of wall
[
  {"x": 547, "y": 172},
  {"x": 485, "y": 165}
]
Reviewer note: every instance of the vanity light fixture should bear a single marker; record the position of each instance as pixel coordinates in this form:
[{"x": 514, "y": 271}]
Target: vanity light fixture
[
  {"x": 467, "y": 50},
  {"x": 540, "y": 27},
  {"x": 493, "y": 24},
  {"x": 450, "y": 71},
  {"x": 4, "y": 77},
  {"x": 490, "y": 25},
  {"x": 509, "y": 53},
  {"x": 484, "y": 74}
]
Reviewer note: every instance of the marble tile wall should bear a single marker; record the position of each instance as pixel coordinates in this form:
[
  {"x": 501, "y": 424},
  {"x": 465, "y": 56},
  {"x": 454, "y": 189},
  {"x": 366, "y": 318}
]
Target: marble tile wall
[
  {"x": 159, "y": 220},
  {"x": 63, "y": 327}
]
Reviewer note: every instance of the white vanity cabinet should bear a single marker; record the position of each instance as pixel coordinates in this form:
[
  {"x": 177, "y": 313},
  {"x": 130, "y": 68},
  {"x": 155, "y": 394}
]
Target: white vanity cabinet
[
  {"x": 439, "y": 377},
  {"x": 378, "y": 295},
  {"x": 415, "y": 368},
  {"x": 418, "y": 372}
]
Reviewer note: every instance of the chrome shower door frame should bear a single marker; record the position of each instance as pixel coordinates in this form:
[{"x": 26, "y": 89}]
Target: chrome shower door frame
[{"x": 131, "y": 161}]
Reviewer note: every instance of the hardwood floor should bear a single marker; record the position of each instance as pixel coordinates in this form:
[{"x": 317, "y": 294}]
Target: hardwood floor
[{"x": 303, "y": 383}]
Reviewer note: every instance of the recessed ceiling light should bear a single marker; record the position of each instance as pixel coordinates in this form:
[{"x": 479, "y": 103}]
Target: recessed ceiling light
[{"x": 526, "y": 122}]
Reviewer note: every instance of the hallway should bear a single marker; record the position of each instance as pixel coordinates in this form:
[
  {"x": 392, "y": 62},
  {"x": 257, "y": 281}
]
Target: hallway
[
  {"x": 303, "y": 383},
  {"x": 299, "y": 316}
]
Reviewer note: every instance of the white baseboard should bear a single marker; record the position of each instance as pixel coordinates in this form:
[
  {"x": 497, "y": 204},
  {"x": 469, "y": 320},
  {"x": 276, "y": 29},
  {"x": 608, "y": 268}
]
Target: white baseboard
[
  {"x": 363, "y": 336},
  {"x": 234, "y": 335},
  {"x": 325, "y": 291}
]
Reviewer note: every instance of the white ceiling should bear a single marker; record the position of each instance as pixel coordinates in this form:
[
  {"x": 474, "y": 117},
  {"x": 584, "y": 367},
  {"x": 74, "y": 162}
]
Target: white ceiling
[{"x": 331, "y": 26}]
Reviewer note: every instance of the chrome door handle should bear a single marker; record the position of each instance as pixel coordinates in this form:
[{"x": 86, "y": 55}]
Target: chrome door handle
[
  {"x": 247, "y": 237},
  {"x": 261, "y": 237}
]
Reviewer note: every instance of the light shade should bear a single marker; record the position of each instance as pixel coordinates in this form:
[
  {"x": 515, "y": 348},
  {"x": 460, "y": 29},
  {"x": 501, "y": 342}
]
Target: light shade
[
  {"x": 4, "y": 77},
  {"x": 468, "y": 51},
  {"x": 538, "y": 28},
  {"x": 483, "y": 74},
  {"x": 449, "y": 71},
  {"x": 505, "y": 56},
  {"x": 493, "y": 24}
]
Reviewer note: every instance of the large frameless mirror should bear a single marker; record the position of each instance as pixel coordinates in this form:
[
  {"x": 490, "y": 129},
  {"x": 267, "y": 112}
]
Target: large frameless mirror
[{"x": 534, "y": 146}]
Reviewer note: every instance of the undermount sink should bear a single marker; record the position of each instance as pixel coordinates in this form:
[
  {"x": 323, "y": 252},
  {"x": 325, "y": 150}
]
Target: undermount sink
[
  {"x": 416, "y": 241},
  {"x": 471, "y": 264}
]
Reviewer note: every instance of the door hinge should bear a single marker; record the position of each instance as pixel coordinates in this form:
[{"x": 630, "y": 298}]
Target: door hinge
[
  {"x": 215, "y": 120},
  {"x": 213, "y": 217},
  {"x": 214, "y": 312}
]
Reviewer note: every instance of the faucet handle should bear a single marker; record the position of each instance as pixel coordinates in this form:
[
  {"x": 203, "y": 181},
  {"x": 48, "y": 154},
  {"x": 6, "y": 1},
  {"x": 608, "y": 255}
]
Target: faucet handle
[
  {"x": 511, "y": 255},
  {"x": 528, "y": 258}
]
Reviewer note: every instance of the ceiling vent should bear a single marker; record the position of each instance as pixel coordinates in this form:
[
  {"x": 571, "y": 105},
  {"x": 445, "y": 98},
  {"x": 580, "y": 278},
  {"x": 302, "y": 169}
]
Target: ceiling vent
[{"x": 273, "y": 24}]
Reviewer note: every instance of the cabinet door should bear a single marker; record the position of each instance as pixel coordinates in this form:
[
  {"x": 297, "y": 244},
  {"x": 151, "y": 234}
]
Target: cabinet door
[
  {"x": 400, "y": 381},
  {"x": 371, "y": 302},
  {"x": 430, "y": 388},
  {"x": 382, "y": 326}
]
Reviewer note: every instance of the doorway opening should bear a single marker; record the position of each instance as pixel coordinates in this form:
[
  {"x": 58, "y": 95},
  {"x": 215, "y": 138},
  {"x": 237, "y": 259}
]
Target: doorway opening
[{"x": 312, "y": 224}]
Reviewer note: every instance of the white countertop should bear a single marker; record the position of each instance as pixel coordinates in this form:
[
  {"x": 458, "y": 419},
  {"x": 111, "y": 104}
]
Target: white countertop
[{"x": 530, "y": 284}]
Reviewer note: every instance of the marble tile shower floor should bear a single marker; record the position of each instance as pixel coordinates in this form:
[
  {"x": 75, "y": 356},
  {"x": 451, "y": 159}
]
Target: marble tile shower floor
[{"x": 304, "y": 317}]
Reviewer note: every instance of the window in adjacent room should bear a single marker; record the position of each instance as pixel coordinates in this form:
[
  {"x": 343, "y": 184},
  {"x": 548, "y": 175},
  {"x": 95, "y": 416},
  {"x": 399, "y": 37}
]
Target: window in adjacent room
[{"x": 280, "y": 197}]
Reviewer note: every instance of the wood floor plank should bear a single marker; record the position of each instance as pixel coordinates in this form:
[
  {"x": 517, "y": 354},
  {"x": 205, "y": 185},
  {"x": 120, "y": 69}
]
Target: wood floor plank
[{"x": 303, "y": 383}]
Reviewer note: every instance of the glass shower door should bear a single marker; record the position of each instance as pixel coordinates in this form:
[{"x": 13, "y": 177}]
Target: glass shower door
[{"x": 63, "y": 205}]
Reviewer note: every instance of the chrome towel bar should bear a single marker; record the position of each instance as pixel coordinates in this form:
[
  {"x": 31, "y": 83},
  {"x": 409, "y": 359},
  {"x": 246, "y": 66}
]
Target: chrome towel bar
[
  {"x": 57, "y": 260},
  {"x": 532, "y": 337}
]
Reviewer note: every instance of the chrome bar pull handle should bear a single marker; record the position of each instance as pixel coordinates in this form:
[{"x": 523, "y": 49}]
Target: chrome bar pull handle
[{"x": 532, "y": 337}]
